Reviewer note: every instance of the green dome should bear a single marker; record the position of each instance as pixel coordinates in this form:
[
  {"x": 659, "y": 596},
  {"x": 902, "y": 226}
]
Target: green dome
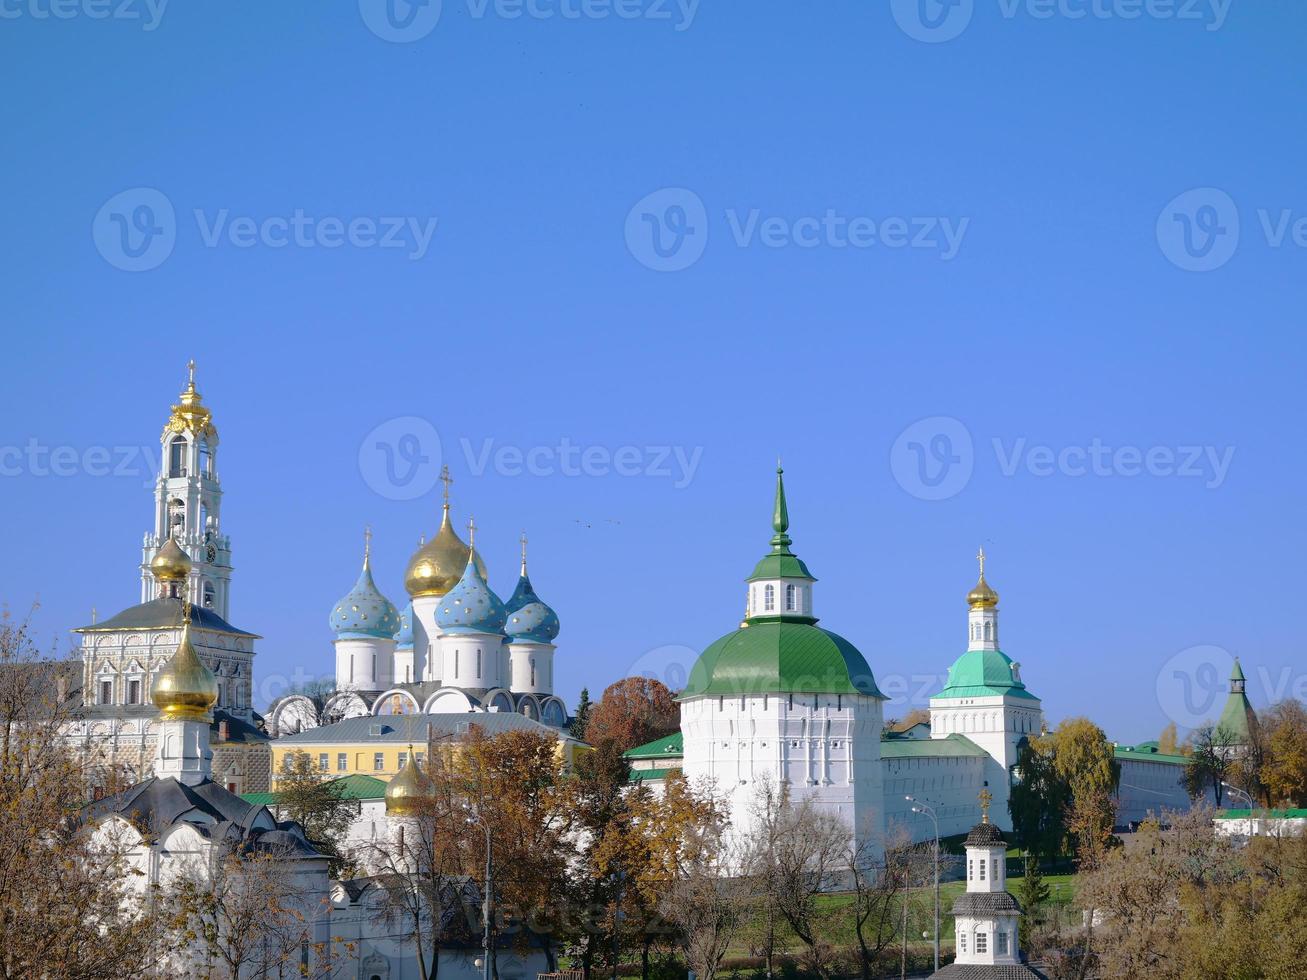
[
  {"x": 781, "y": 657},
  {"x": 984, "y": 674}
]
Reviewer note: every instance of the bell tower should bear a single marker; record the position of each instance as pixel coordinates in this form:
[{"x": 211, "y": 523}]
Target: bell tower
[{"x": 187, "y": 504}]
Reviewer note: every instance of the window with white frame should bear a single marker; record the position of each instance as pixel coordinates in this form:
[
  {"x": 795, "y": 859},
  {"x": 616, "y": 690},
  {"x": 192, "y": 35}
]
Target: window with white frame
[
  {"x": 962, "y": 942},
  {"x": 791, "y": 598},
  {"x": 769, "y": 598},
  {"x": 982, "y": 943},
  {"x": 106, "y": 691},
  {"x": 1000, "y": 942}
]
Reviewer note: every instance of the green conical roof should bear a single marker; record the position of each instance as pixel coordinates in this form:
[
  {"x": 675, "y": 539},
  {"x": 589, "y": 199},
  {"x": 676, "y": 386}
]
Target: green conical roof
[{"x": 1238, "y": 717}]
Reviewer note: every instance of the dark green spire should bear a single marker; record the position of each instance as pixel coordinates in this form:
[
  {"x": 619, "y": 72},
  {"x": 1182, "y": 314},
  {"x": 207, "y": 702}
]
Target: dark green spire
[{"x": 780, "y": 516}]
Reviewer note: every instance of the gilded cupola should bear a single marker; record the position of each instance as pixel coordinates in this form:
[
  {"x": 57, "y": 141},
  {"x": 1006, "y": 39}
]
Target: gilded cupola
[
  {"x": 185, "y": 689},
  {"x": 438, "y": 564},
  {"x": 190, "y": 413},
  {"x": 982, "y": 596},
  {"x": 170, "y": 563},
  {"x": 410, "y": 787}
]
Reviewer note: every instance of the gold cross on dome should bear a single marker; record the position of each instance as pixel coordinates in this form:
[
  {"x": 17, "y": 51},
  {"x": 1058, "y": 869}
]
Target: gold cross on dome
[
  {"x": 985, "y": 799},
  {"x": 190, "y": 368},
  {"x": 980, "y": 557},
  {"x": 446, "y": 479}
]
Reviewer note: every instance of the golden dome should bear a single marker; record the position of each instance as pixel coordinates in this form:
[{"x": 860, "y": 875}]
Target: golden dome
[
  {"x": 185, "y": 689},
  {"x": 982, "y": 596},
  {"x": 436, "y": 567},
  {"x": 409, "y": 787},
  {"x": 170, "y": 563}
]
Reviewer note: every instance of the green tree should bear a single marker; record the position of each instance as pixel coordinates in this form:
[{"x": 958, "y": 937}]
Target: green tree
[
  {"x": 1209, "y": 764},
  {"x": 581, "y": 719},
  {"x": 1032, "y": 893},
  {"x": 312, "y": 799},
  {"x": 1084, "y": 758},
  {"x": 1039, "y": 800}
]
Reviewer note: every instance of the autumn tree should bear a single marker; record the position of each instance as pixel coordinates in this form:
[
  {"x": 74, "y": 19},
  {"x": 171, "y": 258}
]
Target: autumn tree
[
  {"x": 880, "y": 875},
  {"x": 1168, "y": 741},
  {"x": 632, "y": 712},
  {"x": 1284, "y": 771},
  {"x": 312, "y": 799},
  {"x": 1084, "y": 758},
  {"x": 800, "y": 851},
  {"x": 708, "y": 902},
  {"x": 247, "y": 914},
  {"x": 66, "y": 909}
]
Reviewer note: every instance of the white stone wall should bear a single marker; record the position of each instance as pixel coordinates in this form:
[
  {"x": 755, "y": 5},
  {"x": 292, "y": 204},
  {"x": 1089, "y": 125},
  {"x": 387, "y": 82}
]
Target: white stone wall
[
  {"x": 531, "y": 667},
  {"x": 950, "y": 784},
  {"x": 120, "y": 657},
  {"x": 1148, "y": 787},
  {"x": 364, "y": 663},
  {"x": 825, "y": 746},
  {"x": 997, "y": 724}
]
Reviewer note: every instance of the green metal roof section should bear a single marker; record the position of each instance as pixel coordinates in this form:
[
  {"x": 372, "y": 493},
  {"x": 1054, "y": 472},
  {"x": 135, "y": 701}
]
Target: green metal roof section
[
  {"x": 647, "y": 775},
  {"x": 672, "y": 745},
  {"x": 983, "y": 674},
  {"x": 1296, "y": 814},
  {"x": 781, "y": 657},
  {"x": 353, "y": 787},
  {"x": 1146, "y": 752},
  {"x": 781, "y": 563},
  {"x": 950, "y": 746}
]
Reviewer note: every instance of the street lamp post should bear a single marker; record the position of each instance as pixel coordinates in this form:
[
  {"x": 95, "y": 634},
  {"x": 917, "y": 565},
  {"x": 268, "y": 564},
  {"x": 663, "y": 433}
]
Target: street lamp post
[
  {"x": 487, "y": 908},
  {"x": 919, "y": 807},
  {"x": 1252, "y": 805}
]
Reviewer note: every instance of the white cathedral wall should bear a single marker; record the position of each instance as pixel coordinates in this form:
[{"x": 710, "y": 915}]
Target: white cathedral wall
[
  {"x": 364, "y": 663},
  {"x": 427, "y": 663},
  {"x": 1148, "y": 788},
  {"x": 825, "y": 746},
  {"x": 472, "y": 660},
  {"x": 521, "y": 656}
]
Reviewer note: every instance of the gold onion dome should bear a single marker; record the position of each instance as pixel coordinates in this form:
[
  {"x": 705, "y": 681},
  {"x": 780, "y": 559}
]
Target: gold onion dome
[
  {"x": 170, "y": 563},
  {"x": 983, "y": 595},
  {"x": 410, "y": 787},
  {"x": 436, "y": 566},
  {"x": 185, "y": 689}
]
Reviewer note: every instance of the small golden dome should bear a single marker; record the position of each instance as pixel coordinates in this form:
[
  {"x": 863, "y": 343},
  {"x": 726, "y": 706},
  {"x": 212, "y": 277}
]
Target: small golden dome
[
  {"x": 409, "y": 787},
  {"x": 982, "y": 596},
  {"x": 185, "y": 689},
  {"x": 170, "y": 563},
  {"x": 190, "y": 414},
  {"x": 436, "y": 567}
]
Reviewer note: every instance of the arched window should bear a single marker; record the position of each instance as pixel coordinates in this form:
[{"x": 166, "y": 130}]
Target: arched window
[
  {"x": 456, "y": 658},
  {"x": 177, "y": 457},
  {"x": 791, "y": 598},
  {"x": 206, "y": 459},
  {"x": 210, "y": 595},
  {"x": 769, "y": 598},
  {"x": 988, "y": 628},
  {"x": 533, "y": 671},
  {"x": 478, "y": 663}
]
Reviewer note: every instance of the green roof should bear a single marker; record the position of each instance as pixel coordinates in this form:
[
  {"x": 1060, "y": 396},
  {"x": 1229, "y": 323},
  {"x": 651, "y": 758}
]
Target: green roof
[
  {"x": 781, "y": 657},
  {"x": 645, "y": 775},
  {"x": 670, "y": 745},
  {"x": 1147, "y": 752},
  {"x": 780, "y": 566},
  {"x": 953, "y": 746},
  {"x": 1261, "y": 814},
  {"x": 984, "y": 674},
  {"x": 1238, "y": 717},
  {"x": 353, "y": 787}
]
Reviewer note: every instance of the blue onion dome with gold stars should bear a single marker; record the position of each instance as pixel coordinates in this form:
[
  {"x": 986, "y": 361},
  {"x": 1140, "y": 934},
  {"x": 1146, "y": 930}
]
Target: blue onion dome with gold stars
[
  {"x": 365, "y": 611},
  {"x": 404, "y": 638},
  {"x": 471, "y": 606},
  {"x": 530, "y": 619}
]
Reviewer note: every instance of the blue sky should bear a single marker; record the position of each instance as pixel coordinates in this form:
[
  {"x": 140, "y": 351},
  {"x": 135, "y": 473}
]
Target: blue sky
[{"x": 953, "y": 267}]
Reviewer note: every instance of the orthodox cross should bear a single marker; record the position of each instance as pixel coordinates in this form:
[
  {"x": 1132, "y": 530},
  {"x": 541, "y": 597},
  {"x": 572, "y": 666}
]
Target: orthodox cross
[
  {"x": 985, "y": 798},
  {"x": 446, "y": 479}
]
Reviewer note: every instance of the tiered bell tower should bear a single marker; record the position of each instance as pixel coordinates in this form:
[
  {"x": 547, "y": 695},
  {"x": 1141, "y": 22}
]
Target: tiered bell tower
[{"x": 187, "y": 504}]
